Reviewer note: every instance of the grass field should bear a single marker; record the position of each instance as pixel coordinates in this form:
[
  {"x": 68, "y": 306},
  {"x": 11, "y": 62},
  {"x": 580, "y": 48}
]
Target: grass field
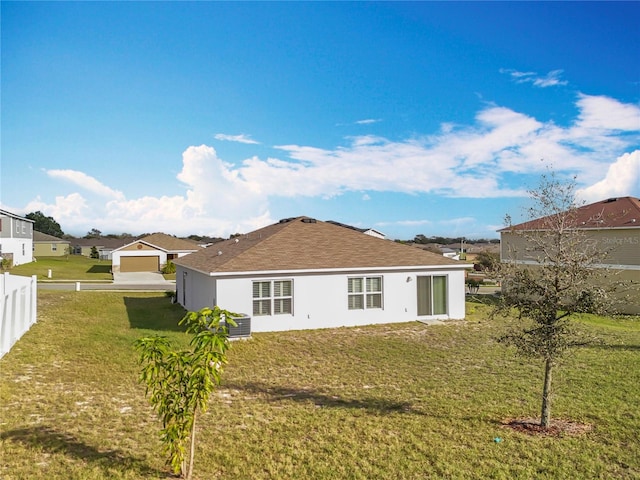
[
  {"x": 402, "y": 401},
  {"x": 69, "y": 268}
]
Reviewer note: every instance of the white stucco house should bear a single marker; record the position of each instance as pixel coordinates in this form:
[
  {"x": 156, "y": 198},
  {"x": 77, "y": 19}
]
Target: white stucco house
[
  {"x": 16, "y": 238},
  {"x": 302, "y": 273},
  {"x": 150, "y": 253}
]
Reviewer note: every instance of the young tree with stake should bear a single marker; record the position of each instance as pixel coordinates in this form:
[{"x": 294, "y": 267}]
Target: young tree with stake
[
  {"x": 559, "y": 278},
  {"x": 179, "y": 382}
]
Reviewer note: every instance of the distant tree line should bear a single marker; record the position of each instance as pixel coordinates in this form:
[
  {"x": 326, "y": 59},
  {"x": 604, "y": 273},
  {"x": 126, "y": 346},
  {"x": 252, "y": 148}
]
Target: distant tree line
[
  {"x": 423, "y": 240},
  {"x": 48, "y": 225}
]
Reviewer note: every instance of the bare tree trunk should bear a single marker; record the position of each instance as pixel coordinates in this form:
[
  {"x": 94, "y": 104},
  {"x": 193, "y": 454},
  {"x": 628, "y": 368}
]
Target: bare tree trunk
[
  {"x": 545, "y": 416},
  {"x": 192, "y": 446}
]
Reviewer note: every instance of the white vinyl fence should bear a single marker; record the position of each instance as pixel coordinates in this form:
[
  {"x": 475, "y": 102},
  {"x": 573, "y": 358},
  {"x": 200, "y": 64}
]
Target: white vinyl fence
[{"x": 18, "y": 307}]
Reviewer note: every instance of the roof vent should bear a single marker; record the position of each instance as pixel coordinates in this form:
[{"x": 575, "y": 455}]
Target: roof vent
[
  {"x": 609, "y": 200},
  {"x": 236, "y": 240},
  {"x": 219, "y": 252},
  {"x": 308, "y": 220},
  {"x": 286, "y": 220}
]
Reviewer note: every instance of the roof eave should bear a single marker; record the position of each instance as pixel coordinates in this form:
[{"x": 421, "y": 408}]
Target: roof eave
[
  {"x": 307, "y": 271},
  {"x": 514, "y": 229}
]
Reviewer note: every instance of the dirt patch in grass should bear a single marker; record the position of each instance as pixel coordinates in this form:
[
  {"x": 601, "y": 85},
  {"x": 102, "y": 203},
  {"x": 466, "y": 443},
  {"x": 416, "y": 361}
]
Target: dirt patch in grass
[{"x": 558, "y": 428}]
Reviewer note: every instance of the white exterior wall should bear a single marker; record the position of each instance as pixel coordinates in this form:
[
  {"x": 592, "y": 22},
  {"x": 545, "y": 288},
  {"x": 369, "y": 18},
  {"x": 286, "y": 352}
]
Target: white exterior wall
[
  {"x": 195, "y": 290},
  {"x": 319, "y": 300},
  {"x": 21, "y": 248}
]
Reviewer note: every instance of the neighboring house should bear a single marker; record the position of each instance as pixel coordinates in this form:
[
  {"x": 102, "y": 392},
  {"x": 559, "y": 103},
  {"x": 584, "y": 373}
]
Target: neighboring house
[
  {"x": 151, "y": 253},
  {"x": 614, "y": 226},
  {"x": 301, "y": 273},
  {"x": 475, "y": 249},
  {"x": 450, "y": 253},
  {"x": 103, "y": 245},
  {"x": 49, "y": 246},
  {"x": 16, "y": 238},
  {"x": 366, "y": 231}
]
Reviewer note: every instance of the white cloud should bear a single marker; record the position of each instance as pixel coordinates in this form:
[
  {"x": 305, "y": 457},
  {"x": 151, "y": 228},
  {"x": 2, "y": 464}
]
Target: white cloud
[
  {"x": 479, "y": 160},
  {"x": 551, "y": 79},
  {"x": 621, "y": 179},
  {"x": 85, "y": 181},
  {"x": 216, "y": 202},
  {"x": 368, "y": 121},
  {"x": 73, "y": 204},
  {"x": 242, "y": 138},
  {"x": 605, "y": 113}
]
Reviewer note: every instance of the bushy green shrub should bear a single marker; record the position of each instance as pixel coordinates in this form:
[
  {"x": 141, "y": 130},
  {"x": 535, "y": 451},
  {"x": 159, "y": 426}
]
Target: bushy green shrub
[{"x": 170, "y": 267}]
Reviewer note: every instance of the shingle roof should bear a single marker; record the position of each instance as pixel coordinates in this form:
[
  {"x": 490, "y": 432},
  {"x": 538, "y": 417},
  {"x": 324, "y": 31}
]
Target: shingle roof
[
  {"x": 621, "y": 212},
  {"x": 44, "y": 237},
  {"x": 306, "y": 244},
  {"x": 102, "y": 242},
  {"x": 169, "y": 243}
]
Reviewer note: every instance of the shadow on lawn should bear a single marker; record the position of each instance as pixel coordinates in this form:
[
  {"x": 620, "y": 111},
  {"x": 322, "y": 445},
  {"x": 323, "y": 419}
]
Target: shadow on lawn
[
  {"x": 276, "y": 393},
  {"x": 154, "y": 313},
  {"x": 106, "y": 268},
  {"x": 620, "y": 346},
  {"x": 52, "y": 441},
  {"x": 490, "y": 299}
]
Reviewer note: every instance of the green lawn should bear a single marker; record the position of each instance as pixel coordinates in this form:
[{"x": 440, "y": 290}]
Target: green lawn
[
  {"x": 72, "y": 267},
  {"x": 403, "y": 401}
]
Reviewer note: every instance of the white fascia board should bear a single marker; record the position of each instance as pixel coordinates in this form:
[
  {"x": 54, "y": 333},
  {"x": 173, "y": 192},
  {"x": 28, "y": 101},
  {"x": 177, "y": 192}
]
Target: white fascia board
[
  {"x": 595, "y": 265},
  {"x": 462, "y": 266},
  {"x": 582, "y": 229},
  {"x": 139, "y": 241}
]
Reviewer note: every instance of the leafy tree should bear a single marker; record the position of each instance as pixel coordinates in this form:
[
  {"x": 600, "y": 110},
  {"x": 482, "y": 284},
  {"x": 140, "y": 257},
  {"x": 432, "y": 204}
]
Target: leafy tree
[
  {"x": 473, "y": 285},
  {"x": 118, "y": 235},
  {"x": 179, "y": 382},
  {"x": 5, "y": 264},
  {"x": 94, "y": 252},
  {"x": 488, "y": 261},
  {"x": 561, "y": 283},
  {"x": 44, "y": 224},
  {"x": 93, "y": 233}
]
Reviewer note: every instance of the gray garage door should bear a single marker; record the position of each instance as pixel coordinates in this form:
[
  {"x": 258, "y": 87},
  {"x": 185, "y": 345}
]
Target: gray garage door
[{"x": 140, "y": 264}]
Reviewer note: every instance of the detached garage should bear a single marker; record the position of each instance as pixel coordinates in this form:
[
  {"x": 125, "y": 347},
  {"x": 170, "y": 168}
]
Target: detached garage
[{"x": 150, "y": 253}]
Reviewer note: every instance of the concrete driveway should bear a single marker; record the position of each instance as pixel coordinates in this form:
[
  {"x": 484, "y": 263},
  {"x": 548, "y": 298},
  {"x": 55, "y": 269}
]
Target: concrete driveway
[{"x": 139, "y": 278}]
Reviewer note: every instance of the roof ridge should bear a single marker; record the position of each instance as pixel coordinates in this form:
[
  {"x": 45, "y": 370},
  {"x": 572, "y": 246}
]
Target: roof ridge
[{"x": 303, "y": 243}]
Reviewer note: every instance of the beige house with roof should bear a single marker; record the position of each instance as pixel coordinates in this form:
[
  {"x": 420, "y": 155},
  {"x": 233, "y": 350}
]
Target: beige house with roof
[
  {"x": 45, "y": 245},
  {"x": 613, "y": 225},
  {"x": 150, "y": 253},
  {"x": 301, "y": 273}
]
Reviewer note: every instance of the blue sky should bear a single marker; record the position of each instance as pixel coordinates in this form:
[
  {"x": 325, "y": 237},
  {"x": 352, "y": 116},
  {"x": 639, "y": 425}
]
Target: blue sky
[{"x": 411, "y": 118}]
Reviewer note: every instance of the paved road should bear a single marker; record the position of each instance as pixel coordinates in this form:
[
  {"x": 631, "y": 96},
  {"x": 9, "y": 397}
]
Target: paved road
[{"x": 141, "y": 281}]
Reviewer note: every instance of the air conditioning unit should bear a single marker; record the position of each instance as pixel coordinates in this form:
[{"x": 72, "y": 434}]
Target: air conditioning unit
[{"x": 243, "y": 328}]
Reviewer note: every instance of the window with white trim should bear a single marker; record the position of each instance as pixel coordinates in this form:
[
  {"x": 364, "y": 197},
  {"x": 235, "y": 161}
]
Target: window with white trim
[
  {"x": 364, "y": 292},
  {"x": 273, "y": 297}
]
